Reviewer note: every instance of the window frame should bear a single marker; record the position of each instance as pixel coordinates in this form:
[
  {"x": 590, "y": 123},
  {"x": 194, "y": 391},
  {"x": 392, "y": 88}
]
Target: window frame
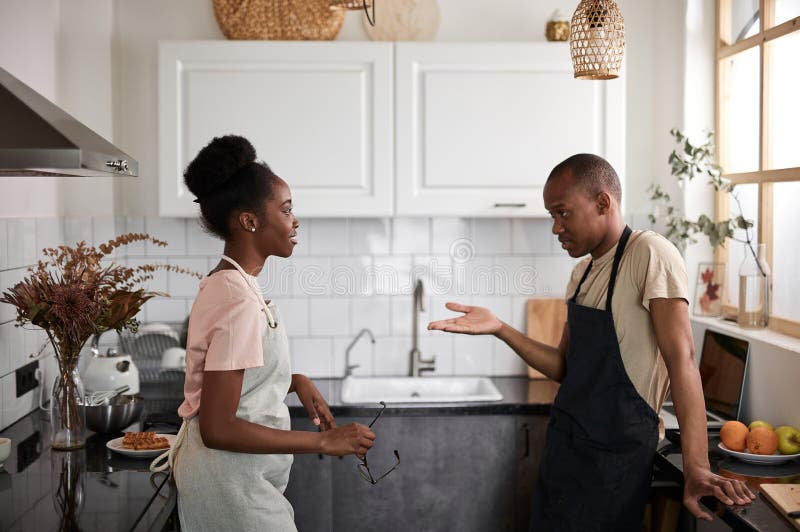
[{"x": 765, "y": 179}]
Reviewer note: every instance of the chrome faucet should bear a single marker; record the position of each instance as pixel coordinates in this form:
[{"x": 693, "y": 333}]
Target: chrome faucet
[
  {"x": 348, "y": 371},
  {"x": 416, "y": 363}
]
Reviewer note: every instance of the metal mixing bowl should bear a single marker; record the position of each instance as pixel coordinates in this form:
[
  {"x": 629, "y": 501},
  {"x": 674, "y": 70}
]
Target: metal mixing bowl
[{"x": 116, "y": 415}]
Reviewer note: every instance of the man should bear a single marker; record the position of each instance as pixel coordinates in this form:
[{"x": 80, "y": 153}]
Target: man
[{"x": 626, "y": 338}]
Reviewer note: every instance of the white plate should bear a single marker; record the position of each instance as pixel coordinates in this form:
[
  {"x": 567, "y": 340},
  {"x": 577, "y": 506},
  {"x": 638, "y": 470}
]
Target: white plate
[
  {"x": 762, "y": 459},
  {"x": 116, "y": 446}
]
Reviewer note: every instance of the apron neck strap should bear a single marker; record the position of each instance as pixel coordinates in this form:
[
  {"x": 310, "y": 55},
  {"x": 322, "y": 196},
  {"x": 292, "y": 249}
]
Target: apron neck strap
[
  {"x": 270, "y": 318},
  {"x": 623, "y": 241}
]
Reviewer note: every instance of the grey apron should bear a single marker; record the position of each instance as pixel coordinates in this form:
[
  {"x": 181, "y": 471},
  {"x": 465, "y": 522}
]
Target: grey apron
[{"x": 222, "y": 490}]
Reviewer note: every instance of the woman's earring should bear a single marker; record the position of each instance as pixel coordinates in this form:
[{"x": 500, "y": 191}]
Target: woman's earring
[{"x": 252, "y": 229}]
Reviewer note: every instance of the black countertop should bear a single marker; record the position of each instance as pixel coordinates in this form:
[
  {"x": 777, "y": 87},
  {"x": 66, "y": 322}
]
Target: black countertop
[
  {"x": 87, "y": 489},
  {"x": 119, "y": 493},
  {"x": 760, "y": 515}
]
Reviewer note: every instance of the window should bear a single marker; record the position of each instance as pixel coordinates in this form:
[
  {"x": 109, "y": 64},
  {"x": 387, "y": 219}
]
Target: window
[{"x": 758, "y": 126}]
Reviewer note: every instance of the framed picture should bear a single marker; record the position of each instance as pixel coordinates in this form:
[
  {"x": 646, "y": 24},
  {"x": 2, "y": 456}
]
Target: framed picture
[{"x": 708, "y": 291}]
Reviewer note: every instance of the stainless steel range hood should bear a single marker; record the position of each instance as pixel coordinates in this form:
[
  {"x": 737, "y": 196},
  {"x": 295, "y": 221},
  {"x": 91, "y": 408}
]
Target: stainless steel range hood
[{"x": 37, "y": 138}]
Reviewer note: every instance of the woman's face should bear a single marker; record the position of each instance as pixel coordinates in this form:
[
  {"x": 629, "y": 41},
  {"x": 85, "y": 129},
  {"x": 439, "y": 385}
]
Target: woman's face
[{"x": 279, "y": 232}]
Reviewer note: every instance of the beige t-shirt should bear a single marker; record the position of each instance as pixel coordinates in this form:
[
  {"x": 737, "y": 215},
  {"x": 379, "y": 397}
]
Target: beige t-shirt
[{"x": 651, "y": 267}]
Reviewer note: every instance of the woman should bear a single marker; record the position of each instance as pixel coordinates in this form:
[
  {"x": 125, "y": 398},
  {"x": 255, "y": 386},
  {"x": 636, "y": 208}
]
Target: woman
[{"x": 232, "y": 456}]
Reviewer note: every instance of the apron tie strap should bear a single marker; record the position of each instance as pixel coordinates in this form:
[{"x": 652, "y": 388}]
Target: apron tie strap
[{"x": 166, "y": 460}]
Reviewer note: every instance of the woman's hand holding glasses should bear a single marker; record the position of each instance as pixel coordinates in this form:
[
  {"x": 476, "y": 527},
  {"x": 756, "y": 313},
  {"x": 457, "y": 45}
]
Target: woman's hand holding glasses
[{"x": 354, "y": 439}]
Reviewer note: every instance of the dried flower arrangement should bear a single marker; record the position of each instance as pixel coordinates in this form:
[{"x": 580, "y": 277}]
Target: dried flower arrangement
[{"x": 74, "y": 293}]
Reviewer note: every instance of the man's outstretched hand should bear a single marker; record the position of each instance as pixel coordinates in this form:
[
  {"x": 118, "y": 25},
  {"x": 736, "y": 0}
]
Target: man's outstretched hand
[{"x": 476, "y": 320}]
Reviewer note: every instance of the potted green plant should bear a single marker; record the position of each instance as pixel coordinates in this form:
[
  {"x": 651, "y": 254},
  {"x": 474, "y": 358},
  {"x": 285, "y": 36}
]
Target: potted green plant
[{"x": 687, "y": 162}]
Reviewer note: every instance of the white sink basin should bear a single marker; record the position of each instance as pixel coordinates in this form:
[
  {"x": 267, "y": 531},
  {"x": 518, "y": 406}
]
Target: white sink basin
[{"x": 356, "y": 390}]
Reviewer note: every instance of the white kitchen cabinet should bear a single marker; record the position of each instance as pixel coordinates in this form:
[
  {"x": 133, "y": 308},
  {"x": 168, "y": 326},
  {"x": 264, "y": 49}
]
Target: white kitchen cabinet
[
  {"x": 480, "y": 125},
  {"x": 320, "y": 114}
]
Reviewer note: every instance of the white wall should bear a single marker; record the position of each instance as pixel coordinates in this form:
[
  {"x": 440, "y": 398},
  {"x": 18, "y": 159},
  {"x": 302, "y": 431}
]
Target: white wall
[
  {"x": 28, "y": 37},
  {"x": 62, "y": 49}
]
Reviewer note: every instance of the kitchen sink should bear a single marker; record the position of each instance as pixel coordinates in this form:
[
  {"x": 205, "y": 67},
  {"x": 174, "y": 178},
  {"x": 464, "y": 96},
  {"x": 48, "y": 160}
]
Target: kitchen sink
[{"x": 357, "y": 390}]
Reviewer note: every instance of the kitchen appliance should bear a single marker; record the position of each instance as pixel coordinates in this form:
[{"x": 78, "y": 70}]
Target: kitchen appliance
[
  {"x": 121, "y": 412},
  {"x": 37, "y": 138},
  {"x": 110, "y": 371}
]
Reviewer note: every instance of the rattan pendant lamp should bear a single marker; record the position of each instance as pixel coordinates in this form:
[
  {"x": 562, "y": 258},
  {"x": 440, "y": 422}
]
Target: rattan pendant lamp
[
  {"x": 356, "y": 4},
  {"x": 597, "y": 39}
]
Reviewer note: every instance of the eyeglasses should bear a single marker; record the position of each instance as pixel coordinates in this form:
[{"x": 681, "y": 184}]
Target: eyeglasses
[{"x": 363, "y": 467}]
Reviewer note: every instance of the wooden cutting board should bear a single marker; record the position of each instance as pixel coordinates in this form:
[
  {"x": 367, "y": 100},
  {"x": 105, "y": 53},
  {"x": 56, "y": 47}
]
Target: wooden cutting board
[
  {"x": 785, "y": 497},
  {"x": 545, "y": 323}
]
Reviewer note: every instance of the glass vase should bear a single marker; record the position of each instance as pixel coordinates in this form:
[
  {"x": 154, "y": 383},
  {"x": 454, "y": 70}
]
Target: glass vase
[
  {"x": 754, "y": 281},
  {"x": 67, "y": 410},
  {"x": 68, "y": 487}
]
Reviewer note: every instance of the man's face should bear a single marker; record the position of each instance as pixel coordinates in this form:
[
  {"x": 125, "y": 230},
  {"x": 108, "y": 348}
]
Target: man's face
[{"x": 577, "y": 218}]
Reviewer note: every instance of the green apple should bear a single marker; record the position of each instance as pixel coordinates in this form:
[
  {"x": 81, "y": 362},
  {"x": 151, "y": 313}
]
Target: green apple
[
  {"x": 788, "y": 440},
  {"x": 759, "y": 423}
]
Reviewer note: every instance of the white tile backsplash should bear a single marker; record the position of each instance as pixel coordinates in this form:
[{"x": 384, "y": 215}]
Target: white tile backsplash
[
  {"x": 344, "y": 276},
  {"x": 373, "y": 313},
  {"x": 370, "y": 236},
  {"x": 327, "y": 236},
  {"x": 22, "y": 241},
  {"x": 411, "y": 235},
  {"x": 448, "y": 233},
  {"x": 473, "y": 355},
  {"x": 330, "y": 316},
  {"x": 3, "y": 244},
  {"x": 49, "y": 234},
  {"x": 133, "y": 224},
  {"x": 492, "y": 236},
  {"x": 391, "y": 356},
  {"x": 199, "y": 242},
  {"x": 531, "y": 236},
  {"x": 77, "y": 230},
  {"x": 170, "y": 230},
  {"x": 312, "y": 357},
  {"x": 182, "y": 284},
  {"x": 103, "y": 230},
  {"x": 295, "y": 315}
]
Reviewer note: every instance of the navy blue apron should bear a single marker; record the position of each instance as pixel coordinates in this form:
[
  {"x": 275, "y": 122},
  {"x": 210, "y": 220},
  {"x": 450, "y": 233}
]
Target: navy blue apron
[{"x": 596, "y": 468}]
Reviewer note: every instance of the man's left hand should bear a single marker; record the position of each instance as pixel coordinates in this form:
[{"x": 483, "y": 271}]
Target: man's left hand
[{"x": 701, "y": 482}]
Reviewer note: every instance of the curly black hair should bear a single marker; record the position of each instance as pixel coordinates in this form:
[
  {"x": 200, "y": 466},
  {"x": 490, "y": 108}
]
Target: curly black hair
[{"x": 227, "y": 178}]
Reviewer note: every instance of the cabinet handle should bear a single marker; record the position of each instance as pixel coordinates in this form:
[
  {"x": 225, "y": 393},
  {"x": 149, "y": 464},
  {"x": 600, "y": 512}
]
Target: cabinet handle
[
  {"x": 516, "y": 205},
  {"x": 527, "y": 441}
]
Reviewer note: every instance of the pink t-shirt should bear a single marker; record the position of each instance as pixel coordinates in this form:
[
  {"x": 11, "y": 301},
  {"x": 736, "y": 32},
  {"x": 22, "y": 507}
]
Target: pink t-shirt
[{"x": 225, "y": 329}]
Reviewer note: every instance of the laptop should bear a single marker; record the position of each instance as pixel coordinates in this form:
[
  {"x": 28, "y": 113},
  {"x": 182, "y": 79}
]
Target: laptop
[{"x": 723, "y": 365}]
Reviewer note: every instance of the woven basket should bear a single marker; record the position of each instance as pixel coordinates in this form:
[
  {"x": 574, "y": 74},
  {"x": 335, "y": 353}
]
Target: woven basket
[
  {"x": 597, "y": 39},
  {"x": 279, "y": 20}
]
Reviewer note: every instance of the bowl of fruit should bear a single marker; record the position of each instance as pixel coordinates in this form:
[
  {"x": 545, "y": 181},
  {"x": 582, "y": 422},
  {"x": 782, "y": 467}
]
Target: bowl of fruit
[{"x": 760, "y": 443}]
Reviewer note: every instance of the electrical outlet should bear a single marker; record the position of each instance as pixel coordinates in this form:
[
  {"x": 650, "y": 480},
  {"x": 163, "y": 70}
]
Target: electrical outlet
[
  {"x": 26, "y": 378},
  {"x": 28, "y": 451}
]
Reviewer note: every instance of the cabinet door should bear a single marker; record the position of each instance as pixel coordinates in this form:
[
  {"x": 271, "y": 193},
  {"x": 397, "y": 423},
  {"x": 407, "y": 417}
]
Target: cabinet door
[
  {"x": 456, "y": 473},
  {"x": 480, "y": 126},
  {"x": 531, "y": 435},
  {"x": 320, "y": 114}
]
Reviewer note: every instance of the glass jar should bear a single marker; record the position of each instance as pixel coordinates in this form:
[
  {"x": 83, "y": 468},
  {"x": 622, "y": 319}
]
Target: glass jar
[
  {"x": 754, "y": 283},
  {"x": 67, "y": 410}
]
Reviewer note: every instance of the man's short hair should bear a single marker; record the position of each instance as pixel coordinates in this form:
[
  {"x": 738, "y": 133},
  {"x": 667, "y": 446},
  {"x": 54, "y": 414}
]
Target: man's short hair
[{"x": 592, "y": 172}]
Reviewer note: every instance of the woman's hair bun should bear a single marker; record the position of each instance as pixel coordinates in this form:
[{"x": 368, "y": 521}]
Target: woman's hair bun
[{"x": 217, "y": 162}]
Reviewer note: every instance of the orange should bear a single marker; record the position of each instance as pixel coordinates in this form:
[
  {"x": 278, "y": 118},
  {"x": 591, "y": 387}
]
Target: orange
[
  {"x": 762, "y": 440},
  {"x": 734, "y": 435}
]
